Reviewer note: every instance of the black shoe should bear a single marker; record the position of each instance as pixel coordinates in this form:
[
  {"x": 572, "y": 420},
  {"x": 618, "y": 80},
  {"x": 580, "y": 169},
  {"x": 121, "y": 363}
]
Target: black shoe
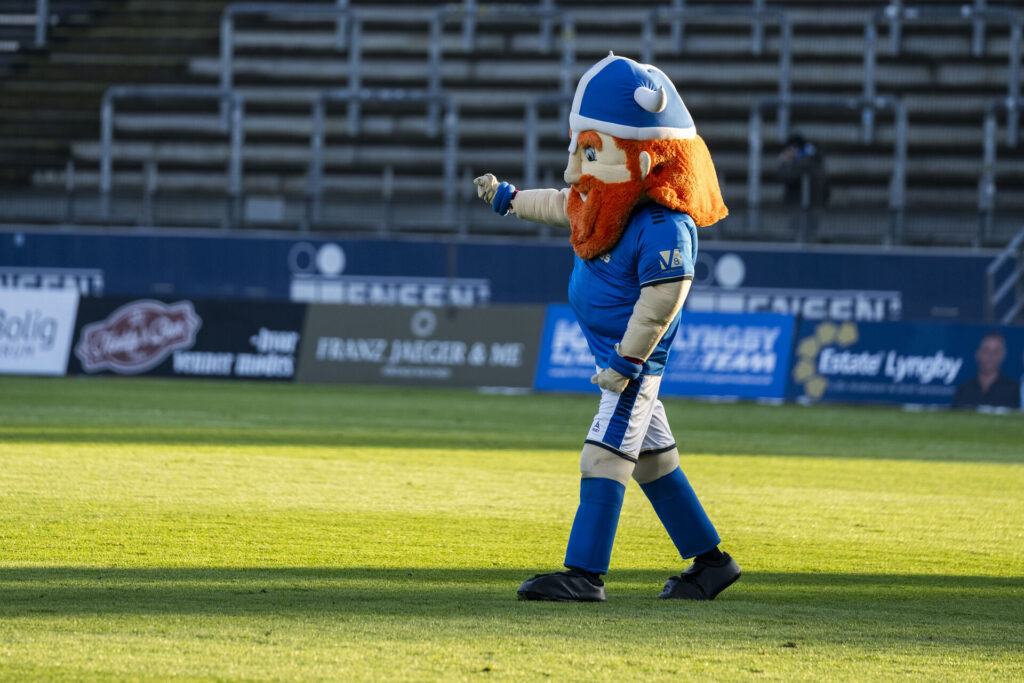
[
  {"x": 702, "y": 580},
  {"x": 570, "y": 586}
]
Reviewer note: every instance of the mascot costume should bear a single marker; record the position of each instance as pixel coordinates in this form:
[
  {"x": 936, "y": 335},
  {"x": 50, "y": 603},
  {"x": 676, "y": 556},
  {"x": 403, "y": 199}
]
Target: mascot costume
[{"x": 640, "y": 182}]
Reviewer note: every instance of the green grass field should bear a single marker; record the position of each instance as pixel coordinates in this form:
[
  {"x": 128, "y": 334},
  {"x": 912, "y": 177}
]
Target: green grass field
[{"x": 156, "y": 529}]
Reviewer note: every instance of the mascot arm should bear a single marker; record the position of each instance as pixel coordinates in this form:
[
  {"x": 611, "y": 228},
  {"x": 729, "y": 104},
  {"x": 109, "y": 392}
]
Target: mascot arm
[
  {"x": 653, "y": 312},
  {"x": 542, "y": 206}
]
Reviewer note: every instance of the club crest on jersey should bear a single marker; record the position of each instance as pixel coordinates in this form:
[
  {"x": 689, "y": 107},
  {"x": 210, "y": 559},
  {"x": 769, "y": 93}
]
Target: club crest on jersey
[{"x": 671, "y": 259}]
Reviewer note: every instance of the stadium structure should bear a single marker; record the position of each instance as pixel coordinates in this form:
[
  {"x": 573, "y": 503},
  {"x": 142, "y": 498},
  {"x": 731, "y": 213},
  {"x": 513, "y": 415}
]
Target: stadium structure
[{"x": 374, "y": 116}]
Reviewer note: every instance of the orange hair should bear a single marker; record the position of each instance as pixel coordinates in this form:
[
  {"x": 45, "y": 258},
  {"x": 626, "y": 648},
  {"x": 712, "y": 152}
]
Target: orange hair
[{"x": 682, "y": 176}]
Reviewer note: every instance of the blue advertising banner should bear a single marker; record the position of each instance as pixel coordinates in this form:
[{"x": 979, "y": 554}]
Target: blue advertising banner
[
  {"x": 730, "y": 354},
  {"x": 713, "y": 355},
  {"x": 859, "y": 284},
  {"x": 961, "y": 366}
]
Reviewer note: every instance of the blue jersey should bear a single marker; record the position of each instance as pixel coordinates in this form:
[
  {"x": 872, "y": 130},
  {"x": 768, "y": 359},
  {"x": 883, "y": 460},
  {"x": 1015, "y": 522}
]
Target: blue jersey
[{"x": 658, "y": 245}]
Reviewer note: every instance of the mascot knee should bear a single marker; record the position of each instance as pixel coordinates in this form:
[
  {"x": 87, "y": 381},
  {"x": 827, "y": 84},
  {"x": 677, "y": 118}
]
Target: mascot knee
[
  {"x": 655, "y": 465},
  {"x": 600, "y": 463}
]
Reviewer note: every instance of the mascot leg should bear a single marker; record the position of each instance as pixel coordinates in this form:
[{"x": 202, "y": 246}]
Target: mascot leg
[
  {"x": 606, "y": 465},
  {"x": 677, "y": 506}
]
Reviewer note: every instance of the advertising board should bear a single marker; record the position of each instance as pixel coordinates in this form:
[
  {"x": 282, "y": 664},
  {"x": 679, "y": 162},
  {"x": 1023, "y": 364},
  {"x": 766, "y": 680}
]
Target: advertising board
[
  {"x": 35, "y": 330},
  {"x": 909, "y": 363},
  {"x": 495, "y": 346},
  {"x": 713, "y": 355},
  {"x": 859, "y": 284},
  {"x": 186, "y": 338}
]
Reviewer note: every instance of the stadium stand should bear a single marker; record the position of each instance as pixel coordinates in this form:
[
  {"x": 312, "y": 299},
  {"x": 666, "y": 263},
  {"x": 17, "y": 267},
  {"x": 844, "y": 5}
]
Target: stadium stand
[{"x": 171, "y": 158}]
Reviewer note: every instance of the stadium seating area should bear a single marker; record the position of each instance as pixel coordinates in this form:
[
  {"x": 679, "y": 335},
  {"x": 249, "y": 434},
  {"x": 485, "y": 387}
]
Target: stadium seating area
[{"x": 171, "y": 156}]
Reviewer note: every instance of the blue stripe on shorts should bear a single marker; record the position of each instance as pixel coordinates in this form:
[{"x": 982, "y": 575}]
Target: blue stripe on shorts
[{"x": 623, "y": 410}]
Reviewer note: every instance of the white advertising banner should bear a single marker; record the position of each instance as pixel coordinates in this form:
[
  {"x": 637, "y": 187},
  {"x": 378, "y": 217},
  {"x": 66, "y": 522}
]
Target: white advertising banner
[{"x": 36, "y": 327}]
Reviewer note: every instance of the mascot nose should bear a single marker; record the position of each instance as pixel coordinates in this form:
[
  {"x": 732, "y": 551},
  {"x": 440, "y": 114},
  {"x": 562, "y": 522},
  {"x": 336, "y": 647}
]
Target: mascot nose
[{"x": 572, "y": 173}]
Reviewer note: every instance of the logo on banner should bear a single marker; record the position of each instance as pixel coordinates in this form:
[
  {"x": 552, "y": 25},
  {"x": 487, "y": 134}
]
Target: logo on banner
[
  {"x": 827, "y": 355},
  {"x": 805, "y": 372},
  {"x": 718, "y": 288},
  {"x": 86, "y": 281},
  {"x": 273, "y": 357},
  {"x": 35, "y": 330},
  {"x": 138, "y": 336},
  {"x": 424, "y": 347},
  {"x": 317, "y": 277}
]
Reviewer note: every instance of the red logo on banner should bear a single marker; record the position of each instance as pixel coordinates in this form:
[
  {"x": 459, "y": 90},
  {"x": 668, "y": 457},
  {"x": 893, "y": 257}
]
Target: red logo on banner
[{"x": 137, "y": 336}]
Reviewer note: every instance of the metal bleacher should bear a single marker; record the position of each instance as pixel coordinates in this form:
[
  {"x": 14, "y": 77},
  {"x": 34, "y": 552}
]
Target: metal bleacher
[{"x": 385, "y": 163}]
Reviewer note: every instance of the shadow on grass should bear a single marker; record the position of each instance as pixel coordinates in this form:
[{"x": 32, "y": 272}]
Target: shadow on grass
[{"x": 904, "y": 601}]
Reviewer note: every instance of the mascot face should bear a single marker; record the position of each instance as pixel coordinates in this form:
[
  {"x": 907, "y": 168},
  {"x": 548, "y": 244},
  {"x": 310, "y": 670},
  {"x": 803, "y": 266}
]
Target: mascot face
[{"x": 603, "y": 189}]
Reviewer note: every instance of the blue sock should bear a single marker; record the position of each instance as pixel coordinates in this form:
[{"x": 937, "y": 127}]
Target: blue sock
[
  {"x": 593, "y": 530},
  {"x": 682, "y": 514}
]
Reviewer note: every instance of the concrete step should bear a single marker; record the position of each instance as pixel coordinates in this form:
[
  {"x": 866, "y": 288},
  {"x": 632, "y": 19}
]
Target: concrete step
[
  {"x": 850, "y": 167},
  {"x": 510, "y": 131}
]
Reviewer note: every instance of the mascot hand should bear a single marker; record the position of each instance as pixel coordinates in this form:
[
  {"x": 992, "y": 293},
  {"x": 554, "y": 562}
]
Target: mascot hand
[
  {"x": 499, "y": 195},
  {"x": 617, "y": 375},
  {"x": 609, "y": 380},
  {"x": 486, "y": 187}
]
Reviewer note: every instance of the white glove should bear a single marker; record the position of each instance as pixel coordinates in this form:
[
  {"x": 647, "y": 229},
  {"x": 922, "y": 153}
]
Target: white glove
[
  {"x": 486, "y": 187},
  {"x": 610, "y": 380}
]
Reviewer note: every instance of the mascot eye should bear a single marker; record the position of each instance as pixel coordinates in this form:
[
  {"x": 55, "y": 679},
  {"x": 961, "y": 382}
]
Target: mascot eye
[{"x": 590, "y": 153}]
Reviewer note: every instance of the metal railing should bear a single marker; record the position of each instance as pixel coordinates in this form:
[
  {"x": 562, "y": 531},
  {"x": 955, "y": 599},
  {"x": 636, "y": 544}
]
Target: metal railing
[
  {"x": 978, "y": 15},
  {"x": 35, "y": 23},
  {"x": 987, "y": 181},
  {"x": 531, "y": 137},
  {"x": 758, "y": 15},
  {"x": 679, "y": 9},
  {"x": 1013, "y": 284},
  {"x": 897, "y": 182},
  {"x": 318, "y": 142},
  {"x": 348, "y": 36},
  {"x": 232, "y": 127},
  {"x": 545, "y": 14}
]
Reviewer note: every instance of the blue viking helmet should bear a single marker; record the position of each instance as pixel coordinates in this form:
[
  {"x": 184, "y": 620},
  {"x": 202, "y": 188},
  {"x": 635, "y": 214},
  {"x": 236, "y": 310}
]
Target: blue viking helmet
[{"x": 628, "y": 100}]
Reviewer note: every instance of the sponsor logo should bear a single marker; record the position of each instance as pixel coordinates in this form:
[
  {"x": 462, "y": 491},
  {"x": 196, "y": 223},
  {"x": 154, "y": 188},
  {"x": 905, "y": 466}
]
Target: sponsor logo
[
  {"x": 86, "y": 281},
  {"x": 718, "y": 288},
  {"x": 317, "y": 278},
  {"x": 138, "y": 336},
  {"x": 743, "y": 349},
  {"x": 671, "y": 259},
  {"x": 35, "y": 330},
  {"x": 420, "y": 357},
  {"x": 274, "y": 357},
  {"x": 825, "y": 356}
]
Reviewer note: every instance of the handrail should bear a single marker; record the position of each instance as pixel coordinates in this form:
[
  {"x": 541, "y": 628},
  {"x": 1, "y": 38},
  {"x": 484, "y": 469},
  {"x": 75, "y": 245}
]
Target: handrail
[
  {"x": 987, "y": 180},
  {"x": 314, "y": 188},
  {"x": 531, "y": 136},
  {"x": 897, "y": 183},
  {"x": 233, "y": 127},
  {"x": 993, "y": 295},
  {"x": 348, "y": 35},
  {"x": 757, "y": 15},
  {"x": 42, "y": 21},
  {"x": 896, "y": 14},
  {"x": 471, "y": 13}
]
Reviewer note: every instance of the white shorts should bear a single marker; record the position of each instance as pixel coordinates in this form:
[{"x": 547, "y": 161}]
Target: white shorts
[{"x": 632, "y": 423}]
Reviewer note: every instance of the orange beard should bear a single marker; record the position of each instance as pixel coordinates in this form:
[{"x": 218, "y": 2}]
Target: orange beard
[{"x": 598, "y": 223}]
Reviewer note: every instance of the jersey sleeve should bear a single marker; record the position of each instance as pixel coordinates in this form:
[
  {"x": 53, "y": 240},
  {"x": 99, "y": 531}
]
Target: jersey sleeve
[{"x": 666, "y": 249}]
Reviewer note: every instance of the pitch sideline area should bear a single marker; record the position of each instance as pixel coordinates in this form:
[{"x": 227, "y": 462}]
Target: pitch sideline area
[{"x": 151, "y": 529}]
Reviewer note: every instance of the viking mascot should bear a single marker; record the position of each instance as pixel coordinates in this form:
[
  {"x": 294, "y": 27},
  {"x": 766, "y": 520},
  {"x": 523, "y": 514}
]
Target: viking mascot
[{"x": 640, "y": 183}]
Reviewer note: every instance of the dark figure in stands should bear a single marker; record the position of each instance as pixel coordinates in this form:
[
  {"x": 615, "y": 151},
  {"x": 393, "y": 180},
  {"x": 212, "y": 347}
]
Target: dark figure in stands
[
  {"x": 990, "y": 387},
  {"x": 801, "y": 168}
]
